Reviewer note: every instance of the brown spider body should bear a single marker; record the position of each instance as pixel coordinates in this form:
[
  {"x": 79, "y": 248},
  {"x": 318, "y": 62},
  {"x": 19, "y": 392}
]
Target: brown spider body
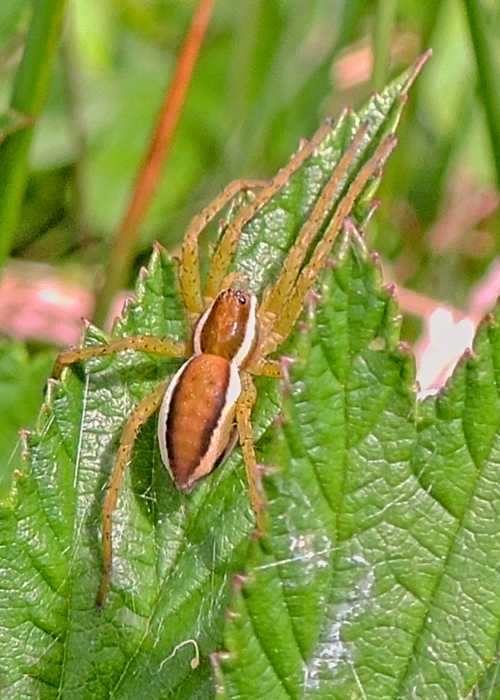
[
  {"x": 196, "y": 419},
  {"x": 212, "y": 395}
]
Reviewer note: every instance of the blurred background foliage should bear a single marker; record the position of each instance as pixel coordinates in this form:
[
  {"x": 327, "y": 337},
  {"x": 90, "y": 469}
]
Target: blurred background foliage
[{"x": 268, "y": 71}]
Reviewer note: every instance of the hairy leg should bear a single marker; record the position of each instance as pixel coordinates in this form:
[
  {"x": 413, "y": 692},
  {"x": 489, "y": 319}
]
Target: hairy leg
[
  {"x": 189, "y": 270},
  {"x": 276, "y": 295},
  {"x": 224, "y": 252},
  {"x": 143, "y": 343},
  {"x": 142, "y": 412},
  {"x": 244, "y": 409},
  {"x": 291, "y": 309}
]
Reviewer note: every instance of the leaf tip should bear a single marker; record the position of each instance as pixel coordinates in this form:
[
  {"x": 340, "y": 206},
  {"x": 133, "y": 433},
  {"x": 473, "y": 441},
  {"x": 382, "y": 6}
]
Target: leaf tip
[
  {"x": 239, "y": 582},
  {"x": 416, "y": 68},
  {"x": 286, "y": 362},
  {"x": 468, "y": 354},
  {"x": 312, "y": 300},
  {"x": 372, "y": 208},
  {"x": 218, "y": 656},
  {"x": 351, "y": 228},
  {"x": 158, "y": 248},
  {"x": 325, "y": 128},
  {"x": 391, "y": 289},
  {"x": 24, "y": 437}
]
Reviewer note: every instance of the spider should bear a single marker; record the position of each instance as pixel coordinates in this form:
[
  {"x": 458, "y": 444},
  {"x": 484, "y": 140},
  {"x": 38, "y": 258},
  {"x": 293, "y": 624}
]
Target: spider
[{"x": 208, "y": 402}]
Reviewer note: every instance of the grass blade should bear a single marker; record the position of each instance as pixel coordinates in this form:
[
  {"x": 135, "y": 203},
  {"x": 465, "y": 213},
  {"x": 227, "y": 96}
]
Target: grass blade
[{"x": 28, "y": 96}]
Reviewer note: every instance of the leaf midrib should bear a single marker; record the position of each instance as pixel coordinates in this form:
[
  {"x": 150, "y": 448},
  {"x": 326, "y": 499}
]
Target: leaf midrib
[{"x": 69, "y": 607}]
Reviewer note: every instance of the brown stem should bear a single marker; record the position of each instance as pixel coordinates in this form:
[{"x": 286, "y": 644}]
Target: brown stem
[{"x": 123, "y": 245}]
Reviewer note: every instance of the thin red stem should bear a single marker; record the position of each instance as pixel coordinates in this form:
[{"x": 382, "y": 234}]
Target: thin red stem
[{"x": 123, "y": 246}]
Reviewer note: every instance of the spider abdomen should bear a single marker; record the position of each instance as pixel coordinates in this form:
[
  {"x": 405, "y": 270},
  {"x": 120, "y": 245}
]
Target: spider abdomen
[{"x": 196, "y": 417}]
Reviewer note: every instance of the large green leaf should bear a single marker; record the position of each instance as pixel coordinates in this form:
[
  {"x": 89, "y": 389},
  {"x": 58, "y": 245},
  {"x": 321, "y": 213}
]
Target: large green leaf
[
  {"x": 174, "y": 554},
  {"x": 381, "y": 578}
]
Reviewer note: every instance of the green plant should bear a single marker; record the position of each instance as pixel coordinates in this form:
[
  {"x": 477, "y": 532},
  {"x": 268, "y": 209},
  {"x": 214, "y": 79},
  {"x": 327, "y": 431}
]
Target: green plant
[{"x": 380, "y": 572}]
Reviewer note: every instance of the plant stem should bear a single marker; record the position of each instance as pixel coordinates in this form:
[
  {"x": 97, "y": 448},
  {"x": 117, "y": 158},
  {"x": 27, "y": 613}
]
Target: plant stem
[
  {"x": 487, "y": 74},
  {"x": 384, "y": 22},
  {"x": 124, "y": 243},
  {"x": 28, "y": 97}
]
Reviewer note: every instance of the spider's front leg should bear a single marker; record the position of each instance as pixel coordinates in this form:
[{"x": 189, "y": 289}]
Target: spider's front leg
[
  {"x": 141, "y": 414},
  {"x": 224, "y": 253},
  {"x": 144, "y": 343},
  {"x": 189, "y": 269},
  {"x": 287, "y": 315},
  {"x": 276, "y": 295}
]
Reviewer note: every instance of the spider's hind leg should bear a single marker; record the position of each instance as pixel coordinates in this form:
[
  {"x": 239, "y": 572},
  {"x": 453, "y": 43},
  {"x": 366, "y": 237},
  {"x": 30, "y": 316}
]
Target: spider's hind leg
[{"x": 141, "y": 414}]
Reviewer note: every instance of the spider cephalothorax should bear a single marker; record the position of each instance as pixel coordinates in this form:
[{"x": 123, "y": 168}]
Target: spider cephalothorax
[{"x": 210, "y": 399}]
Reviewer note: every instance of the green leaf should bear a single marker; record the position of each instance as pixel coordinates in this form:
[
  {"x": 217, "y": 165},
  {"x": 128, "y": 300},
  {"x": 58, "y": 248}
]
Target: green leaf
[
  {"x": 381, "y": 576},
  {"x": 174, "y": 554},
  {"x": 22, "y": 379}
]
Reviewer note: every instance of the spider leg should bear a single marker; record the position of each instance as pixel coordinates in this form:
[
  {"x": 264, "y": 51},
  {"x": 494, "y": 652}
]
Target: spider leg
[
  {"x": 142, "y": 412},
  {"x": 290, "y": 311},
  {"x": 275, "y": 297},
  {"x": 222, "y": 258},
  {"x": 243, "y": 412},
  {"x": 144, "y": 343},
  {"x": 189, "y": 270}
]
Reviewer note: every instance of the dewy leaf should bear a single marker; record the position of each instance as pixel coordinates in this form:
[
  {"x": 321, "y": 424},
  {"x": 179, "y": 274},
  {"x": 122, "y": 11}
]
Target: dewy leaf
[
  {"x": 381, "y": 576},
  {"x": 174, "y": 554}
]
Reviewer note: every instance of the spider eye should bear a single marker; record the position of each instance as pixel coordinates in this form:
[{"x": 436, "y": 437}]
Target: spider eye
[{"x": 242, "y": 300}]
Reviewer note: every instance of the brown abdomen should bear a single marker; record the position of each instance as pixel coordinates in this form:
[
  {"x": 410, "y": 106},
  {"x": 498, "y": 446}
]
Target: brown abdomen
[{"x": 196, "y": 406}]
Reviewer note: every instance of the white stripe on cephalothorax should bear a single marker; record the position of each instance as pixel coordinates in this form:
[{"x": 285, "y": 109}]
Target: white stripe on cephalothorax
[
  {"x": 250, "y": 336},
  {"x": 199, "y": 327}
]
